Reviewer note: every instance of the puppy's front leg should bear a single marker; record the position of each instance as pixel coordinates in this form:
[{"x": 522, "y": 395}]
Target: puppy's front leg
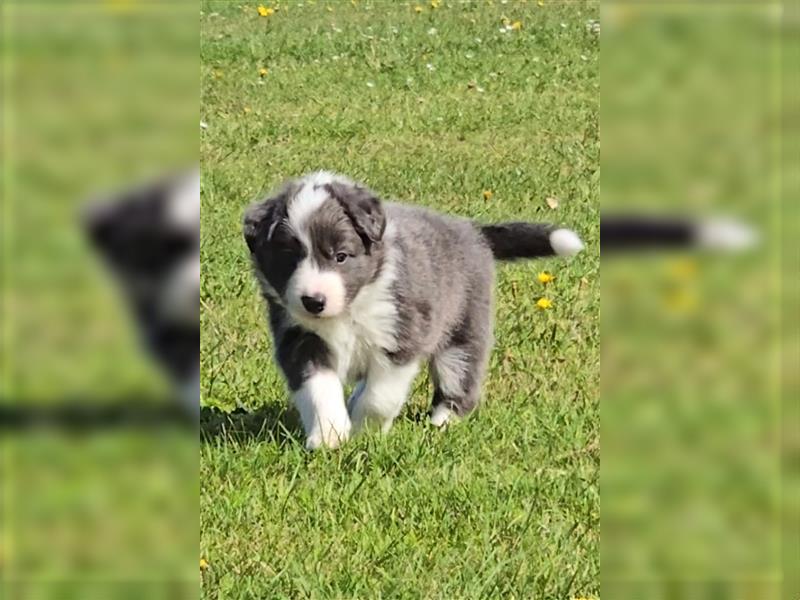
[
  {"x": 320, "y": 402},
  {"x": 382, "y": 395},
  {"x": 316, "y": 389}
]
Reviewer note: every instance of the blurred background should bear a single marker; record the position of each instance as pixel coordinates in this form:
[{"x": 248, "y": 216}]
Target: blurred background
[
  {"x": 99, "y": 478},
  {"x": 697, "y": 353},
  {"x": 701, "y": 444}
]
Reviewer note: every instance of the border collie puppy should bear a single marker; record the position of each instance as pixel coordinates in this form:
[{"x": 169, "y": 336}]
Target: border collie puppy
[
  {"x": 150, "y": 239},
  {"x": 365, "y": 291}
]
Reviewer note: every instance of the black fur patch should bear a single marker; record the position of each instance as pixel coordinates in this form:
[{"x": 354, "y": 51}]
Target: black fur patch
[
  {"x": 642, "y": 233},
  {"x": 510, "y": 241},
  {"x": 274, "y": 248},
  {"x": 299, "y": 352},
  {"x": 135, "y": 235}
]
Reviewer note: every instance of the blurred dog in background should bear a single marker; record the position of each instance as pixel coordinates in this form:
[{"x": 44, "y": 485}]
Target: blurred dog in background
[{"x": 149, "y": 237}]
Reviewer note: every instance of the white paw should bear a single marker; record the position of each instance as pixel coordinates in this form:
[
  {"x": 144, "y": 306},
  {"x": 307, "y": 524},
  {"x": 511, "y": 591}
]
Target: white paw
[
  {"x": 329, "y": 435},
  {"x": 440, "y": 416}
]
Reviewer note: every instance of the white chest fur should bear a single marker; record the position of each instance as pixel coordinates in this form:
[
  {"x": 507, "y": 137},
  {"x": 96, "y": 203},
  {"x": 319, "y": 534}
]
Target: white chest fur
[
  {"x": 363, "y": 334},
  {"x": 366, "y": 330}
]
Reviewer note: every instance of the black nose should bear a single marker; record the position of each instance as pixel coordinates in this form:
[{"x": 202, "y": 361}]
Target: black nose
[{"x": 314, "y": 304}]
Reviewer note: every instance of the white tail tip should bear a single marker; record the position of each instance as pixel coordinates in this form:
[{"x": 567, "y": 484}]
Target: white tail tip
[
  {"x": 722, "y": 234},
  {"x": 565, "y": 242}
]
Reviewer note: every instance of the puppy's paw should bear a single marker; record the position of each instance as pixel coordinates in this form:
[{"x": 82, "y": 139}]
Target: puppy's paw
[
  {"x": 440, "y": 416},
  {"x": 329, "y": 435}
]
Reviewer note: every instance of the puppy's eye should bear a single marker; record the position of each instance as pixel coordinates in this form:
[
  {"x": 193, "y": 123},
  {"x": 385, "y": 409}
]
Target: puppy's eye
[{"x": 341, "y": 257}]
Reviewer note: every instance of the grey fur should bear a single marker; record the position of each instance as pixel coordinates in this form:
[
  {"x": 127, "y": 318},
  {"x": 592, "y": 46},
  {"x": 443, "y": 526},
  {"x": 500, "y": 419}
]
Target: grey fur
[
  {"x": 441, "y": 294},
  {"x": 444, "y": 296}
]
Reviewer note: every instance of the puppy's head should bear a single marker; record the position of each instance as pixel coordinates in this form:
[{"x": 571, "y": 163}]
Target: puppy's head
[
  {"x": 317, "y": 243},
  {"x": 149, "y": 237}
]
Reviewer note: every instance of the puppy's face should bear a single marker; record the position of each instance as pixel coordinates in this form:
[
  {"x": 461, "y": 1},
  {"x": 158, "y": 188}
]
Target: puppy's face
[
  {"x": 317, "y": 244},
  {"x": 149, "y": 237}
]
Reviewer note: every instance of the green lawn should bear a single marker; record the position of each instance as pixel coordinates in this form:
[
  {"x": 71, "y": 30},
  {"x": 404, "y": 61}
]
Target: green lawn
[{"x": 435, "y": 108}]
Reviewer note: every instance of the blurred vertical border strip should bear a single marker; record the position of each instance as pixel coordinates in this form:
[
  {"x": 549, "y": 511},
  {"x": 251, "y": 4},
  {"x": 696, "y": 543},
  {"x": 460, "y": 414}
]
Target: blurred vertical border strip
[
  {"x": 96, "y": 95},
  {"x": 693, "y": 345},
  {"x": 6, "y": 324},
  {"x": 790, "y": 270}
]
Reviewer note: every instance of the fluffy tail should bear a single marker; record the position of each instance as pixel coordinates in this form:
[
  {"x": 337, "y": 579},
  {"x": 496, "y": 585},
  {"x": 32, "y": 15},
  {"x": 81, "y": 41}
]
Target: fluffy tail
[
  {"x": 620, "y": 233},
  {"x": 510, "y": 241}
]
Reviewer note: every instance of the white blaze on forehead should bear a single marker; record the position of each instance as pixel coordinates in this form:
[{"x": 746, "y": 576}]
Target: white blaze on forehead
[
  {"x": 184, "y": 202},
  {"x": 308, "y": 198}
]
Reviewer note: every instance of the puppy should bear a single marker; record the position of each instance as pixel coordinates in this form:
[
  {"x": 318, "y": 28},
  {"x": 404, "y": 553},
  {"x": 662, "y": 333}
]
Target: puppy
[
  {"x": 360, "y": 290},
  {"x": 150, "y": 239}
]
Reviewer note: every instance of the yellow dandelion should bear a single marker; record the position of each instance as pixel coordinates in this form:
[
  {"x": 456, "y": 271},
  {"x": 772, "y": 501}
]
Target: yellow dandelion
[
  {"x": 487, "y": 194},
  {"x": 265, "y": 12},
  {"x": 417, "y": 9},
  {"x": 263, "y": 72},
  {"x": 543, "y": 303},
  {"x": 516, "y": 25},
  {"x": 681, "y": 301},
  {"x": 203, "y": 564},
  {"x": 120, "y": 5},
  {"x": 540, "y": 3},
  {"x": 684, "y": 269},
  {"x": 247, "y": 109},
  {"x": 435, "y": 4},
  {"x": 545, "y": 277}
]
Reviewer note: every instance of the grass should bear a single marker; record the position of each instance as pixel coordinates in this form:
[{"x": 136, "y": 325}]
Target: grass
[{"x": 432, "y": 108}]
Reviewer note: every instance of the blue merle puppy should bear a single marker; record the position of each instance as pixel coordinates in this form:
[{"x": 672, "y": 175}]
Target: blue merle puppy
[{"x": 365, "y": 291}]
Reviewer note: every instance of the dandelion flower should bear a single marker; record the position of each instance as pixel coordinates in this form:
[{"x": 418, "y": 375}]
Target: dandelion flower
[
  {"x": 545, "y": 277},
  {"x": 683, "y": 269},
  {"x": 540, "y": 3},
  {"x": 543, "y": 303},
  {"x": 435, "y": 4},
  {"x": 516, "y": 25},
  {"x": 680, "y": 301},
  {"x": 247, "y": 109},
  {"x": 487, "y": 194},
  {"x": 418, "y": 9},
  {"x": 203, "y": 564},
  {"x": 263, "y": 71},
  {"x": 265, "y": 12}
]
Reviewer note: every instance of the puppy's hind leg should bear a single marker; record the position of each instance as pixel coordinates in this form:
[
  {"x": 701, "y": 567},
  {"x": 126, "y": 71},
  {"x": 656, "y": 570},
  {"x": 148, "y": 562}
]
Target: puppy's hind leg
[
  {"x": 458, "y": 369},
  {"x": 457, "y": 373},
  {"x": 381, "y": 396}
]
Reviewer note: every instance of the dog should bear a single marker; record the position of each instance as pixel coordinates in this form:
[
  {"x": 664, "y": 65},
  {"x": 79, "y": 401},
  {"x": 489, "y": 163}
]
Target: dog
[
  {"x": 149, "y": 237},
  {"x": 365, "y": 291}
]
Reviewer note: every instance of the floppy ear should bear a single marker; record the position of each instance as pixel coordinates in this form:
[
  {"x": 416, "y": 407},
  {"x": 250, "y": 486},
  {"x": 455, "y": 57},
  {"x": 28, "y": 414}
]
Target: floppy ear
[
  {"x": 364, "y": 210},
  {"x": 260, "y": 221}
]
